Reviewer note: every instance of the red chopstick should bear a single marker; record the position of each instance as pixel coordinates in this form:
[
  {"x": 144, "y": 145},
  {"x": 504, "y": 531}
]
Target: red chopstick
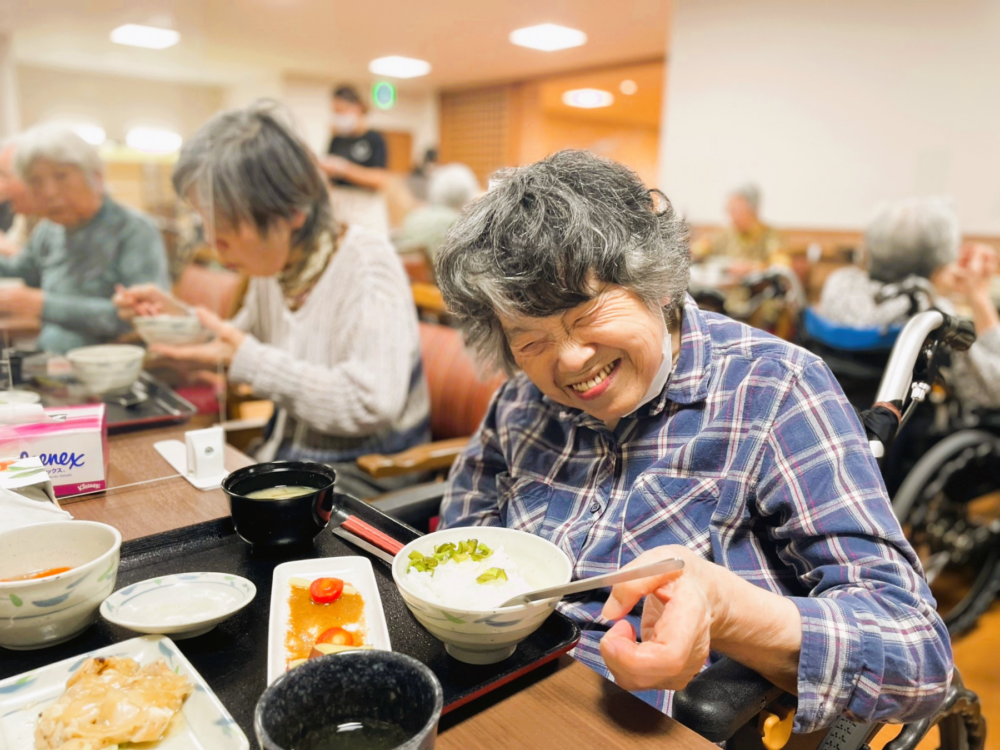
[{"x": 371, "y": 535}]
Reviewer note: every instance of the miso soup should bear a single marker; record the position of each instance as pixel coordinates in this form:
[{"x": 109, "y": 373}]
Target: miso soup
[{"x": 281, "y": 493}]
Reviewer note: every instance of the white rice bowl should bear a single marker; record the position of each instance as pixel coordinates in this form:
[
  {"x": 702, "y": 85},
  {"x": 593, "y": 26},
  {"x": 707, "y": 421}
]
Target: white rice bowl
[
  {"x": 454, "y": 584},
  {"x": 469, "y": 620}
]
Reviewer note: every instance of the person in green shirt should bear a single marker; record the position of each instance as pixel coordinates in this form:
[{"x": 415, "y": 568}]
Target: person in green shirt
[{"x": 86, "y": 245}]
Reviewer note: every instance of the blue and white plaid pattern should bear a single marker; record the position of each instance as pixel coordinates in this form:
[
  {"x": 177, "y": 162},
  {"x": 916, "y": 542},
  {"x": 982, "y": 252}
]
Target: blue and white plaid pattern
[{"x": 753, "y": 458}]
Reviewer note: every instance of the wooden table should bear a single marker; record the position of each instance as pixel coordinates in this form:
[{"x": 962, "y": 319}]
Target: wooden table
[
  {"x": 166, "y": 502},
  {"x": 561, "y": 705}
]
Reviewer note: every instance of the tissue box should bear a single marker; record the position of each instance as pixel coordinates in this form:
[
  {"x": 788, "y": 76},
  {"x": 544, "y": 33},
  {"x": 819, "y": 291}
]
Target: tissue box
[
  {"x": 72, "y": 445},
  {"x": 27, "y": 477}
]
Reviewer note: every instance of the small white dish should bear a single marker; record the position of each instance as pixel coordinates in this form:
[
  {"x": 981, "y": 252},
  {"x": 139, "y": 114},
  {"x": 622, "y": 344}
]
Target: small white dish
[
  {"x": 183, "y": 605},
  {"x": 356, "y": 571},
  {"x": 204, "y": 723}
]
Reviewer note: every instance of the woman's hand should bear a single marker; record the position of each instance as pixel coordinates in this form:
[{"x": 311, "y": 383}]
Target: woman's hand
[
  {"x": 22, "y": 300},
  {"x": 221, "y": 349},
  {"x": 676, "y": 625},
  {"x": 144, "y": 300},
  {"x": 687, "y": 613}
]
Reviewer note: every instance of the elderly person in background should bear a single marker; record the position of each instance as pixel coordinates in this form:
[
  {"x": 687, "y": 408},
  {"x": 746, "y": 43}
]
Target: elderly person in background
[
  {"x": 86, "y": 245},
  {"x": 451, "y": 188},
  {"x": 637, "y": 427},
  {"x": 750, "y": 242},
  {"x": 14, "y": 194},
  {"x": 328, "y": 330},
  {"x": 916, "y": 261}
]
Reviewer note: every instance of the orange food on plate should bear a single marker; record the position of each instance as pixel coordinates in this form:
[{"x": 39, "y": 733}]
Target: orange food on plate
[
  {"x": 35, "y": 574},
  {"x": 310, "y": 622}
]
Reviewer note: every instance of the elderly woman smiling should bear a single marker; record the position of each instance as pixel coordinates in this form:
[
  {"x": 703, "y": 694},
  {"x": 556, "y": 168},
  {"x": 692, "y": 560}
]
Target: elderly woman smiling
[
  {"x": 637, "y": 427},
  {"x": 87, "y": 245}
]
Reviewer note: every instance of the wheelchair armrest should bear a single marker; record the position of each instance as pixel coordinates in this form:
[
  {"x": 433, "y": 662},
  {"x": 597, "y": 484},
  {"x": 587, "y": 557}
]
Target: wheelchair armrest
[
  {"x": 436, "y": 456},
  {"x": 415, "y": 505},
  {"x": 722, "y": 698}
]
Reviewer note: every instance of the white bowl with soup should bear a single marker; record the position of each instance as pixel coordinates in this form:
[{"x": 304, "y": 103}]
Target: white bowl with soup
[{"x": 53, "y": 578}]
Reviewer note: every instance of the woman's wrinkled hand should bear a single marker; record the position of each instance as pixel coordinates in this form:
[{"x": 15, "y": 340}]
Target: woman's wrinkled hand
[
  {"x": 221, "y": 349},
  {"x": 145, "y": 300},
  {"x": 676, "y": 624}
]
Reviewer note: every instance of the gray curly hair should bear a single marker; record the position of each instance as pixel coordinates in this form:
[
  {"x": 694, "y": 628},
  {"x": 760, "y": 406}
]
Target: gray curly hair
[
  {"x": 912, "y": 237},
  {"x": 536, "y": 242}
]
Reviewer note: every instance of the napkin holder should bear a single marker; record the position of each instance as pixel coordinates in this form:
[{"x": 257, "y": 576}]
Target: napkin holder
[{"x": 200, "y": 459}]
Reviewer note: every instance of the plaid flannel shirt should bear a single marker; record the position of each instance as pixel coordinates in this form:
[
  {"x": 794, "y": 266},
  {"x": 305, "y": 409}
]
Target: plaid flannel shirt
[{"x": 753, "y": 458}]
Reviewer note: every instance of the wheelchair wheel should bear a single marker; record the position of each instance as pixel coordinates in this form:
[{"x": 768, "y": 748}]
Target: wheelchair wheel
[{"x": 949, "y": 508}]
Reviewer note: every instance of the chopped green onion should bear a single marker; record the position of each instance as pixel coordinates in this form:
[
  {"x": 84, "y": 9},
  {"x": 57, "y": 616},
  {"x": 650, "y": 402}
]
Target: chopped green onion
[
  {"x": 469, "y": 549},
  {"x": 493, "y": 574}
]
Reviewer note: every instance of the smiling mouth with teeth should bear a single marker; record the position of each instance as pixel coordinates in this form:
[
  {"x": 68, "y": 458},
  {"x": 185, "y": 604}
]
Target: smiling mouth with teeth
[{"x": 586, "y": 385}]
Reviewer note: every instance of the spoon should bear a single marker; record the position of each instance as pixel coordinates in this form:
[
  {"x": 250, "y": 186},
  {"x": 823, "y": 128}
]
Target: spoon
[{"x": 597, "y": 582}]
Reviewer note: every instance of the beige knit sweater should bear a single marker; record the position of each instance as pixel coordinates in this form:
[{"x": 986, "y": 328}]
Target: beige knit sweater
[{"x": 345, "y": 368}]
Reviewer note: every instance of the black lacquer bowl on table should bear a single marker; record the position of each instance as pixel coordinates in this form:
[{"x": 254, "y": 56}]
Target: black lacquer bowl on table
[{"x": 286, "y": 521}]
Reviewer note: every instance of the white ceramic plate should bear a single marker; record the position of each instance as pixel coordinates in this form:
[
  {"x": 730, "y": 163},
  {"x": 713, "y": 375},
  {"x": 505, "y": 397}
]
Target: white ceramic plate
[
  {"x": 356, "y": 571},
  {"x": 182, "y": 605},
  {"x": 206, "y": 723}
]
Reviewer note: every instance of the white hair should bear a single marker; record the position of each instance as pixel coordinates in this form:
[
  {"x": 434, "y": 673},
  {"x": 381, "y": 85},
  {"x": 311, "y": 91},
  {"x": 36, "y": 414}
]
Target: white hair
[
  {"x": 59, "y": 144},
  {"x": 452, "y": 185},
  {"x": 912, "y": 237},
  {"x": 749, "y": 192}
]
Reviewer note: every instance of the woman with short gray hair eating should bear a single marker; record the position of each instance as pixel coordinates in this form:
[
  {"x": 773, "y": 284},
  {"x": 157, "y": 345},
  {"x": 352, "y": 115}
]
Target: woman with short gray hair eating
[{"x": 328, "y": 329}]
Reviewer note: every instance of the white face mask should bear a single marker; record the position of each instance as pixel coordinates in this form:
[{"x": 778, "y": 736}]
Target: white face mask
[
  {"x": 666, "y": 366},
  {"x": 344, "y": 124}
]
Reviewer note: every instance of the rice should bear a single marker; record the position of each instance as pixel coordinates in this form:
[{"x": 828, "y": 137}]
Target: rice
[{"x": 453, "y": 584}]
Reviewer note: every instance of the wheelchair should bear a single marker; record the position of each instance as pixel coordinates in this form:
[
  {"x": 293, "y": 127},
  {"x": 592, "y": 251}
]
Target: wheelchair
[
  {"x": 730, "y": 703},
  {"x": 943, "y": 476}
]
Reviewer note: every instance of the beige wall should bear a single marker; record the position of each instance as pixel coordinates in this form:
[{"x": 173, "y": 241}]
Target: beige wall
[
  {"x": 834, "y": 107},
  {"x": 116, "y": 103}
]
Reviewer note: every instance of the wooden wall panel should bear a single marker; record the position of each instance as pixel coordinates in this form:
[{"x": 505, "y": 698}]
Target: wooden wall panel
[{"x": 476, "y": 129}]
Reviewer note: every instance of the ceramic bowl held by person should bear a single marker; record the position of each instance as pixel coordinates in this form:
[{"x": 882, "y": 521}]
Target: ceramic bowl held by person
[
  {"x": 173, "y": 330},
  {"x": 486, "y": 636},
  {"x": 107, "y": 368},
  {"x": 363, "y": 699},
  {"x": 42, "y": 612},
  {"x": 267, "y": 522}
]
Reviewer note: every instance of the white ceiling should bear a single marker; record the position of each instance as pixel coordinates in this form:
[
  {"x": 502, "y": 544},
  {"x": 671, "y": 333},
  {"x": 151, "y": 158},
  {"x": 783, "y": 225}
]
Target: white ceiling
[{"x": 227, "y": 41}]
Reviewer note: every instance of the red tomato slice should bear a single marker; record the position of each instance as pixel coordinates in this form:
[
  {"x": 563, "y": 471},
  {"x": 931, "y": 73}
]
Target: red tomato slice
[
  {"x": 336, "y": 636},
  {"x": 326, "y": 590}
]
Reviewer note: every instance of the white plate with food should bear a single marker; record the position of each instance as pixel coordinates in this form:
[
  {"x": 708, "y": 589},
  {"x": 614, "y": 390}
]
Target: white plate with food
[
  {"x": 182, "y": 605},
  {"x": 175, "y": 703},
  {"x": 323, "y": 606}
]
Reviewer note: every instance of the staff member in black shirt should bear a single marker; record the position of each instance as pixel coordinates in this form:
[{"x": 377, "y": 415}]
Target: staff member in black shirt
[{"x": 357, "y": 155}]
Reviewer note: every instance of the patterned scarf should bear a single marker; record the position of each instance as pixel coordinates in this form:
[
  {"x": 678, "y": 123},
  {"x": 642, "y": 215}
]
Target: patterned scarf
[{"x": 305, "y": 266}]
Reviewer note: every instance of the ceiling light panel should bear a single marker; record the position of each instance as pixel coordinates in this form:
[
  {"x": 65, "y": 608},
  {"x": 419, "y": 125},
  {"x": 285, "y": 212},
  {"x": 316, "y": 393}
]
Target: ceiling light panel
[
  {"x": 149, "y": 37},
  {"x": 395, "y": 66},
  {"x": 588, "y": 98},
  {"x": 548, "y": 37}
]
